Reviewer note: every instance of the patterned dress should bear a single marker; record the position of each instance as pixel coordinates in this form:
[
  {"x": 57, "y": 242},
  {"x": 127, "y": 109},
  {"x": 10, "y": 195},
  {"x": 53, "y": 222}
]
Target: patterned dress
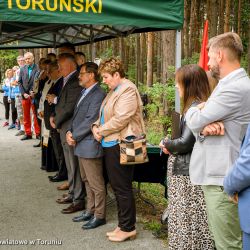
[{"x": 187, "y": 220}]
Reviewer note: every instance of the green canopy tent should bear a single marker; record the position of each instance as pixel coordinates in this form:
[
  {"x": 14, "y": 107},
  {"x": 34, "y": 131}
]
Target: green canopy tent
[{"x": 49, "y": 23}]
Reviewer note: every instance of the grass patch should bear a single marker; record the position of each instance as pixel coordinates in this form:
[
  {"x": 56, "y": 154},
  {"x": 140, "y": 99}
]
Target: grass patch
[{"x": 154, "y": 193}]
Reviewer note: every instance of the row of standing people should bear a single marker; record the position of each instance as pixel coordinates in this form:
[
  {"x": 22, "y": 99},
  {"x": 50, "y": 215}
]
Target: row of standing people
[
  {"x": 204, "y": 174},
  {"x": 81, "y": 129}
]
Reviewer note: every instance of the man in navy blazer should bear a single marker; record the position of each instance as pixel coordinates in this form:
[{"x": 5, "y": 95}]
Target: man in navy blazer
[
  {"x": 237, "y": 183},
  {"x": 88, "y": 150}
]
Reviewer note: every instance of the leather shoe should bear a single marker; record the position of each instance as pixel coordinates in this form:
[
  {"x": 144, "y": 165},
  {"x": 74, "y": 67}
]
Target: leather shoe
[
  {"x": 64, "y": 186},
  {"x": 52, "y": 176},
  {"x": 21, "y": 132},
  {"x": 26, "y": 137},
  {"x": 113, "y": 233},
  {"x": 56, "y": 178},
  {"x": 85, "y": 216},
  {"x": 93, "y": 223},
  {"x": 65, "y": 195},
  {"x": 73, "y": 208},
  {"x": 65, "y": 200}
]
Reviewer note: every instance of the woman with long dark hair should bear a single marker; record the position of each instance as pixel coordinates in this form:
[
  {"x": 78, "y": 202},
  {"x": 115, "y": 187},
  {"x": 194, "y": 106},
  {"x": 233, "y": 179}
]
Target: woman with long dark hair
[{"x": 187, "y": 221}]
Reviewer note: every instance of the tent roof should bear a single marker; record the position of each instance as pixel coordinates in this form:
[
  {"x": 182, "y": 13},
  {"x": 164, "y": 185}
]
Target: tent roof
[{"x": 50, "y": 23}]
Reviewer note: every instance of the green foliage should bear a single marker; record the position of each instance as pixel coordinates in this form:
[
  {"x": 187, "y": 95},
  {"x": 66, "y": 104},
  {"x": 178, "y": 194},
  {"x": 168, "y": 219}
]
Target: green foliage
[
  {"x": 154, "y": 192},
  {"x": 158, "y": 110},
  {"x": 107, "y": 53},
  {"x": 131, "y": 73},
  {"x": 244, "y": 62},
  {"x": 154, "y": 135},
  {"x": 104, "y": 87},
  {"x": 156, "y": 92},
  {"x": 153, "y": 225},
  {"x": 191, "y": 60},
  {"x": 7, "y": 60}
]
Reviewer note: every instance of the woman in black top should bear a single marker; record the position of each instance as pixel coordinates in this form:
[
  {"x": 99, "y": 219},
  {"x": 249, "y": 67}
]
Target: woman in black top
[{"x": 187, "y": 221}]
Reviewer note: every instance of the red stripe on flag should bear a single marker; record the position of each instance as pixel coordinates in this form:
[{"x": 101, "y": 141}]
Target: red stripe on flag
[{"x": 203, "y": 55}]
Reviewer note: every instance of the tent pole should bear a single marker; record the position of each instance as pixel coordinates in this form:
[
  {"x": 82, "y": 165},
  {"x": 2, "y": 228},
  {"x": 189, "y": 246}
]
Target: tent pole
[{"x": 177, "y": 65}]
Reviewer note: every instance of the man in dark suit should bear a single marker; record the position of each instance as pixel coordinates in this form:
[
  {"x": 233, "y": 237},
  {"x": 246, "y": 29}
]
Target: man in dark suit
[
  {"x": 64, "y": 109},
  {"x": 49, "y": 108},
  {"x": 25, "y": 81},
  {"x": 88, "y": 150}
]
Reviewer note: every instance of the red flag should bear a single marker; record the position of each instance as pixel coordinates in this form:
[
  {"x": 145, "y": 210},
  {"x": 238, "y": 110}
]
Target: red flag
[{"x": 203, "y": 55}]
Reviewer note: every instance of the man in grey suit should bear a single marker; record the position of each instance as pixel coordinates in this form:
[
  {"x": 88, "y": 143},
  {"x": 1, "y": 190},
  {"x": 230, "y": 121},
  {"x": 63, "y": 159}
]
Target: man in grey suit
[
  {"x": 213, "y": 156},
  {"x": 88, "y": 150},
  {"x": 25, "y": 82},
  {"x": 64, "y": 109}
]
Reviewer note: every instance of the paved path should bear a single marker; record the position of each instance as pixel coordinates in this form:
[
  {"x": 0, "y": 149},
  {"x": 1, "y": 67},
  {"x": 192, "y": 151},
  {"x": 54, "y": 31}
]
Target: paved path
[{"x": 28, "y": 211}]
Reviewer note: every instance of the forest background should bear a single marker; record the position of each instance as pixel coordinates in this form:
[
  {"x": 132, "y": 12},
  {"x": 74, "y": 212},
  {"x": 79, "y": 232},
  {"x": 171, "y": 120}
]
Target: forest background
[{"x": 149, "y": 58}]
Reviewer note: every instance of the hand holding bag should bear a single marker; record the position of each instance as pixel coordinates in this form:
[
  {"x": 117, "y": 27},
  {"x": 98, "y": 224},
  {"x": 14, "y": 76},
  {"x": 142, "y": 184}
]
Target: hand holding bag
[{"x": 133, "y": 149}]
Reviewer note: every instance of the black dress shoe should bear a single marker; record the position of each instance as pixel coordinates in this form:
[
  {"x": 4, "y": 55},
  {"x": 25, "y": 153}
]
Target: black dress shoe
[
  {"x": 26, "y": 137},
  {"x": 56, "y": 179},
  {"x": 37, "y": 145},
  {"x": 21, "y": 132},
  {"x": 85, "y": 216},
  {"x": 52, "y": 176},
  {"x": 93, "y": 223}
]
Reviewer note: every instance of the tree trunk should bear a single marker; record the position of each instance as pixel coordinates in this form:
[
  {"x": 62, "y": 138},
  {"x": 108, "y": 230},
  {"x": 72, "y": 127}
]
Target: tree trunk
[
  {"x": 168, "y": 59},
  {"x": 239, "y": 18},
  {"x": 121, "y": 48},
  {"x": 114, "y": 47},
  {"x": 186, "y": 27},
  {"x": 37, "y": 55},
  {"x": 197, "y": 27},
  {"x": 158, "y": 57},
  {"x": 150, "y": 59},
  {"x": 21, "y": 52},
  {"x": 168, "y": 53},
  {"x": 221, "y": 16},
  {"x": 192, "y": 37},
  {"x": 213, "y": 22},
  {"x": 138, "y": 59},
  {"x": 143, "y": 55},
  {"x": 227, "y": 16},
  {"x": 126, "y": 55}
]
